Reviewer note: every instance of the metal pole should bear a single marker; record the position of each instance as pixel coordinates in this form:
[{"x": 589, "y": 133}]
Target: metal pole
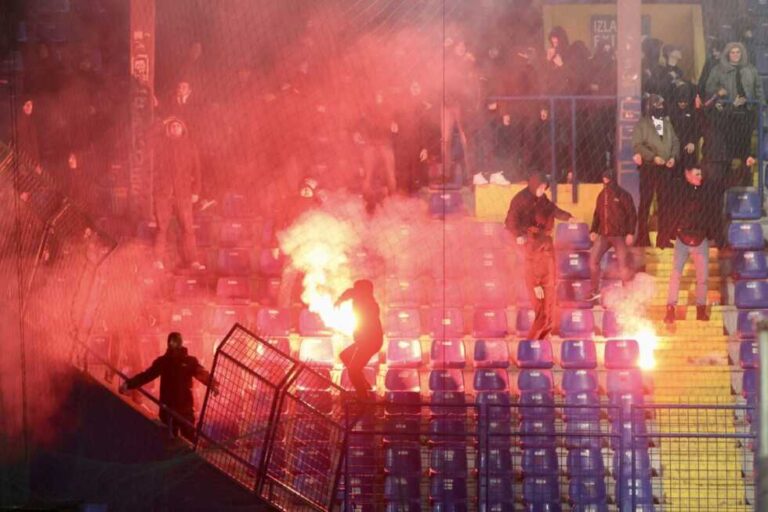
[
  {"x": 761, "y": 151},
  {"x": 553, "y": 149},
  {"x": 761, "y": 483},
  {"x": 574, "y": 174}
]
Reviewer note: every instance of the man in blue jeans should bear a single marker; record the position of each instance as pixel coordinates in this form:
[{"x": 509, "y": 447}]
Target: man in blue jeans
[{"x": 693, "y": 229}]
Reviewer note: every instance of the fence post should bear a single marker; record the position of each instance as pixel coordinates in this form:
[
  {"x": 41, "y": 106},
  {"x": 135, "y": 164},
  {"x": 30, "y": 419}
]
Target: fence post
[
  {"x": 553, "y": 149},
  {"x": 761, "y": 490},
  {"x": 574, "y": 174}
]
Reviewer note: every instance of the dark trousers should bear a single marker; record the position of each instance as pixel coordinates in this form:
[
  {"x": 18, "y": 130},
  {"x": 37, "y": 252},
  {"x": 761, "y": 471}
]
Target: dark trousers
[
  {"x": 655, "y": 180},
  {"x": 355, "y": 357},
  {"x": 540, "y": 271},
  {"x": 176, "y": 426},
  {"x": 599, "y": 248},
  {"x": 164, "y": 209}
]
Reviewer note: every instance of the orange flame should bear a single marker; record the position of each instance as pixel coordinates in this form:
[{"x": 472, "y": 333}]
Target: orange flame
[{"x": 647, "y": 342}]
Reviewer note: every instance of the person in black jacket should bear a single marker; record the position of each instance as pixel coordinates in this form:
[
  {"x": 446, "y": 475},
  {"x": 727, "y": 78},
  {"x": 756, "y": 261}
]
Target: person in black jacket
[
  {"x": 531, "y": 218},
  {"x": 368, "y": 334},
  {"x": 613, "y": 225},
  {"x": 176, "y": 369},
  {"x": 694, "y": 230}
]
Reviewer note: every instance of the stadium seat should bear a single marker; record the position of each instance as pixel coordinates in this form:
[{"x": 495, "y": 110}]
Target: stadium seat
[
  {"x": 524, "y": 320},
  {"x": 402, "y": 460},
  {"x": 402, "y": 489},
  {"x": 234, "y": 262},
  {"x": 621, "y": 354},
  {"x": 496, "y": 493},
  {"x": 189, "y": 290},
  {"x": 269, "y": 291},
  {"x": 580, "y": 381},
  {"x": 625, "y": 381},
  {"x": 403, "y": 391},
  {"x": 310, "y": 324},
  {"x": 749, "y": 382},
  {"x": 394, "y": 507},
  {"x": 539, "y": 461},
  {"x": 317, "y": 352},
  {"x": 574, "y": 293},
  {"x": 447, "y": 293},
  {"x": 634, "y": 492},
  {"x": 585, "y": 463},
  {"x": 491, "y": 291},
  {"x": 447, "y": 354},
  {"x": 235, "y": 233},
  {"x": 402, "y": 322},
  {"x": 403, "y": 353},
  {"x": 589, "y": 490},
  {"x": 321, "y": 401},
  {"x": 451, "y": 430},
  {"x": 572, "y": 236},
  {"x": 537, "y": 405},
  {"x": 224, "y": 317},
  {"x": 267, "y": 232},
  {"x": 590, "y": 507},
  {"x": 625, "y": 404},
  {"x": 493, "y": 405},
  {"x": 188, "y": 319},
  {"x": 534, "y": 354},
  {"x": 361, "y": 492},
  {"x": 445, "y": 202},
  {"x": 749, "y": 354},
  {"x": 493, "y": 261},
  {"x": 400, "y": 429},
  {"x": 448, "y": 494},
  {"x": 611, "y": 270},
  {"x": 746, "y": 322},
  {"x": 491, "y": 354},
  {"x": 583, "y": 434},
  {"x": 271, "y": 262},
  {"x": 629, "y": 433},
  {"x": 743, "y": 204},
  {"x": 235, "y": 205},
  {"x": 361, "y": 460},
  {"x": 572, "y": 264},
  {"x": 750, "y": 265},
  {"x": 622, "y": 463},
  {"x": 273, "y": 322},
  {"x": 446, "y": 380},
  {"x": 489, "y": 323},
  {"x": 610, "y": 324},
  {"x": 370, "y": 376},
  {"x": 490, "y": 379},
  {"x": 576, "y": 323},
  {"x": 447, "y": 323},
  {"x": 535, "y": 380},
  {"x": 404, "y": 291},
  {"x": 751, "y": 294},
  {"x": 204, "y": 234},
  {"x": 495, "y": 461},
  {"x": 448, "y": 460},
  {"x": 746, "y": 236},
  {"x": 543, "y": 507},
  {"x": 581, "y": 406},
  {"x": 541, "y": 489},
  {"x": 578, "y": 354},
  {"x": 233, "y": 290},
  {"x": 536, "y": 433},
  {"x": 312, "y": 460},
  {"x": 489, "y": 234}
]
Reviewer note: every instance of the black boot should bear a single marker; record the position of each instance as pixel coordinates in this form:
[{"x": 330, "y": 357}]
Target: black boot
[
  {"x": 701, "y": 313},
  {"x": 669, "y": 318}
]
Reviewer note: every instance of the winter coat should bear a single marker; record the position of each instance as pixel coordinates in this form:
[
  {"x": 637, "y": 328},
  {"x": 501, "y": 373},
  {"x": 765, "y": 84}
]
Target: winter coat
[
  {"x": 695, "y": 210},
  {"x": 647, "y": 142},
  {"x": 724, "y": 76},
  {"x": 615, "y": 213},
  {"x": 177, "y": 168},
  {"x": 534, "y": 217}
]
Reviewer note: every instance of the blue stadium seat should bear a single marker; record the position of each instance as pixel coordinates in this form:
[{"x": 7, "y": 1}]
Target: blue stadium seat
[
  {"x": 320, "y": 400},
  {"x": 625, "y": 381},
  {"x": 494, "y": 261},
  {"x": 539, "y": 462},
  {"x": 621, "y": 354},
  {"x": 490, "y": 379},
  {"x": 750, "y": 265},
  {"x": 746, "y": 236},
  {"x": 317, "y": 352},
  {"x": 273, "y": 322},
  {"x": 524, "y": 320},
  {"x": 493, "y": 405},
  {"x": 580, "y": 381},
  {"x": 543, "y": 507},
  {"x": 414, "y": 506},
  {"x": 489, "y": 234},
  {"x": 749, "y": 354},
  {"x": 743, "y": 204},
  {"x": 587, "y": 491},
  {"x": 370, "y": 375},
  {"x": 404, "y": 291},
  {"x": 536, "y": 433},
  {"x": 495, "y": 432},
  {"x": 447, "y": 323},
  {"x": 269, "y": 291},
  {"x": 751, "y": 294},
  {"x": 587, "y": 462},
  {"x": 271, "y": 262},
  {"x": 534, "y": 354},
  {"x": 572, "y": 264},
  {"x": 404, "y": 353},
  {"x": 445, "y": 202},
  {"x": 189, "y": 290},
  {"x": 402, "y": 489},
  {"x": 625, "y": 404},
  {"x": 495, "y": 461},
  {"x": 572, "y": 236},
  {"x": 746, "y": 322},
  {"x": 400, "y": 429},
  {"x": 402, "y": 322},
  {"x": 312, "y": 460},
  {"x": 361, "y": 493},
  {"x": 188, "y": 319},
  {"x": 234, "y": 262},
  {"x": 403, "y": 391},
  {"x": 591, "y": 507},
  {"x": 535, "y": 380},
  {"x": 224, "y": 317},
  {"x": 622, "y": 463},
  {"x": 402, "y": 460},
  {"x": 204, "y": 234},
  {"x": 446, "y": 380},
  {"x": 235, "y": 205},
  {"x": 448, "y": 460},
  {"x": 578, "y": 354},
  {"x": 310, "y": 324},
  {"x": 610, "y": 324},
  {"x": 450, "y": 430},
  {"x": 447, "y": 292},
  {"x": 448, "y": 491},
  {"x": 233, "y": 290},
  {"x": 491, "y": 291},
  {"x": 634, "y": 492},
  {"x": 749, "y": 382},
  {"x": 447, "y": 392},
  {"x": 491, "y": 354},
  {"x": 541, "y": 489},
  {"x": 574, "y": 293},
  {"x": 537, "y": 405},
  {"x": 490, "y": 323},
  {"x": 496, "y": 493},
  {"x": 581, "y": 406},
  {"x": 235, "y": 233},
  {"x": 629, "y": 433},
  {"x": 447, "y": 354},
  {"x": 611, "y": 270},
  {"x": 583, "y": 434},
  {"x": 576, "y": 323}
]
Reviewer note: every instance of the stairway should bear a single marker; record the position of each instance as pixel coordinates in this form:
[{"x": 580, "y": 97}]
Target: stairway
[{"x": 692, "y": 368}]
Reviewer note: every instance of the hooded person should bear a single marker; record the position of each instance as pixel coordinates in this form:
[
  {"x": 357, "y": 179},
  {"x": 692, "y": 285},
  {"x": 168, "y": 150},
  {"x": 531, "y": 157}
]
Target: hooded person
[
  {"x": 176, "y": 369},
  {"x": 531, "y": 219},
  {"x": 656, "y": 149},
  {"x": 685, "y": 121},
  {"x": 713, "y": 59},
  {"x": 177, "y": 179},
  {"x": 652, "y": 72},
  {"x": 558, "y": 61},
  {"x": 368, "y": 334}
]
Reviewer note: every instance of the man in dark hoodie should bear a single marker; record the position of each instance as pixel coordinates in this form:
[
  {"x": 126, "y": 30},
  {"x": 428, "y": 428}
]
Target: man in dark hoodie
[
  {"x": 557, "y": 63},
  {"x": 685, "y": 121},
  {"x": 713, "y": 59},
  {"x": 176, "y": 369},
  {"x": 613, "y": 225},
  {"x": 531, "y": 218}
]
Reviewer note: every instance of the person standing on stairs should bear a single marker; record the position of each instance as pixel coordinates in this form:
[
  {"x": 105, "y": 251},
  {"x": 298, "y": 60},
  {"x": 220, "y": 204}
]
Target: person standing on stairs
[
  {"x": 531, "y": 218},
  {"x": 693, "y": 230},
  {"x": 613, "y": 225}
]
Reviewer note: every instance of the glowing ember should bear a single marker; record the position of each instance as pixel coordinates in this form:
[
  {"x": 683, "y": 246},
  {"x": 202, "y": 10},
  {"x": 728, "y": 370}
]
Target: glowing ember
[{"x": 647, "y": 341}]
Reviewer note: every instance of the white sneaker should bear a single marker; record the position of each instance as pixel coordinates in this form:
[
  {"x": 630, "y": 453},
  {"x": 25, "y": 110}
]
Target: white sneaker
[
  {"x": 498, "y": 178},
  {"x": 479, "y": 179}
]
